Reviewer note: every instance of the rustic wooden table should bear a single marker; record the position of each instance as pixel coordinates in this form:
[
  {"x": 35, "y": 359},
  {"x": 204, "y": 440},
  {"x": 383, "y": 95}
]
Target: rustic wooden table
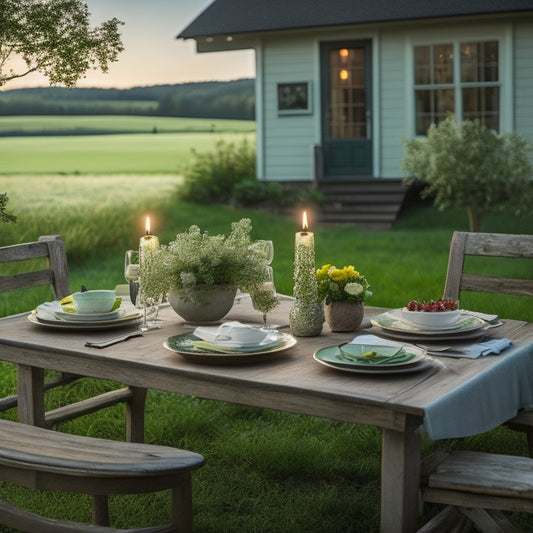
[{"x": 291, "y": 381}]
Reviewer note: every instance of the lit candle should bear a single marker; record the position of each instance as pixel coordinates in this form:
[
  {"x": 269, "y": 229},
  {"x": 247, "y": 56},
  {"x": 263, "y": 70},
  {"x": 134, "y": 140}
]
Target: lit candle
[
  {"x": 305, "y": 237},
  {"x": 304, "y": 263},
  {"x": 306, "y": 315},
  {"x": 148, "y": 242}
]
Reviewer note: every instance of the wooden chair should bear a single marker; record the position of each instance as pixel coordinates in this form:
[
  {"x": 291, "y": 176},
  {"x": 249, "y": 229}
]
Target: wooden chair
[
  {"x": 50, "y": 249},
  {"x": 491, "y": 245},
  {"x": 487, "y": 245},
  {"x": 476, "y": 487},
  {"x": 49, "y": 460}
]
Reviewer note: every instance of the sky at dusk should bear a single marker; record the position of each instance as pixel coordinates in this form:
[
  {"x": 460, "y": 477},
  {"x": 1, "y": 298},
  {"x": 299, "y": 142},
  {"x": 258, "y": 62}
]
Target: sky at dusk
[{"x": 153, "y": 55}]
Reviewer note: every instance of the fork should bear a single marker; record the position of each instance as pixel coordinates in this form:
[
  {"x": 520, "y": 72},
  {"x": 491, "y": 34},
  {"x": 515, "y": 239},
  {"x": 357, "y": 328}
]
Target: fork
[{"x": 114, "y": 340}]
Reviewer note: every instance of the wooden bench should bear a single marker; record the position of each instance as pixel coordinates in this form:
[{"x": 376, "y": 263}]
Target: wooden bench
[
  {"x": 43, "y": 459},
  {"x": 477, "y": 486}
]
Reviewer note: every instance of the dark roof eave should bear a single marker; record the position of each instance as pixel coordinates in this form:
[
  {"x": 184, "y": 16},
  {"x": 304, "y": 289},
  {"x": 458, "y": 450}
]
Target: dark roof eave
[{"x": 188, "y": 33}]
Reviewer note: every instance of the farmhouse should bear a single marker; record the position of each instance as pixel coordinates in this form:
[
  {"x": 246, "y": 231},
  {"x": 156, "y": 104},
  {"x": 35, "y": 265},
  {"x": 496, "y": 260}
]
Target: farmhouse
[{"x": 340, "y": 83}]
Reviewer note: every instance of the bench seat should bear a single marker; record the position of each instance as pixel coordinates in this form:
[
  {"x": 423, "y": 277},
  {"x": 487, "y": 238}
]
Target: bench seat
[
  {"x": 42, "y": 459},
  {"x": 480, "y": 485}
]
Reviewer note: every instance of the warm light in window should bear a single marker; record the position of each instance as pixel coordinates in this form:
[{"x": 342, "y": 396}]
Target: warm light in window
[
  {"x": 343, "y": 74},
  {"x": 343, "y": 52}
]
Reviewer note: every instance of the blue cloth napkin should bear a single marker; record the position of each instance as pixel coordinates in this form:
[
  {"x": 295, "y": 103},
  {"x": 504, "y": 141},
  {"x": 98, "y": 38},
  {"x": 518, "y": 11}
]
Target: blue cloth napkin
[
  {"x": 495, "y": 346},
  {"x": 480, "y": 349}
]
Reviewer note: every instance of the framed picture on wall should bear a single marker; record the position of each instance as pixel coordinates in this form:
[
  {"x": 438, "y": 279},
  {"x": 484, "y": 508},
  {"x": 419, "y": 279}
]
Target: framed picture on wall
[{"x": 294, "y": 98}]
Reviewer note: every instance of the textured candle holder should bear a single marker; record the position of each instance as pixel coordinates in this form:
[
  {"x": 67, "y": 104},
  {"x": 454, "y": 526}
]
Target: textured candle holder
[
  {"x": 306, "y": 319},
  {"x": 306, "y": 315}
]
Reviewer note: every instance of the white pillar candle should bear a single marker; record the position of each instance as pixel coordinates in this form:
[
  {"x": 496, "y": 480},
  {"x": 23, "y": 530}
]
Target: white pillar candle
[
  {"x": 148, "y": 242},
  {"x": 305, "y": 237},
  {"x": 305, "y": 286}
]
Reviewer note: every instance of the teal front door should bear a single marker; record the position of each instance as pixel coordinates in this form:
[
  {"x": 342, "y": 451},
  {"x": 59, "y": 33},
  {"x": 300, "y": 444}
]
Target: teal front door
[{"x": 346, "y": 110}]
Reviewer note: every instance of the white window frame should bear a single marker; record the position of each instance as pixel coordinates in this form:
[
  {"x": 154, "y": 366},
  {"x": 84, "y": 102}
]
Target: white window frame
[{"x": 503, "y": 34}]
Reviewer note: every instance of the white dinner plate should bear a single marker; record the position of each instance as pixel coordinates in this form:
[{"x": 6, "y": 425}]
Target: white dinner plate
[
  {"x": 90, "y": 317},
  {"x": 45, "y": 315},
  {"x": 184, "y": 345}
]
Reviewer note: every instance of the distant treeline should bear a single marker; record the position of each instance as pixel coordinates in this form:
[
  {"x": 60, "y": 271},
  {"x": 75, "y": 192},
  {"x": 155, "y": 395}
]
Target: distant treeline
[{"x": 216, "y": 99}]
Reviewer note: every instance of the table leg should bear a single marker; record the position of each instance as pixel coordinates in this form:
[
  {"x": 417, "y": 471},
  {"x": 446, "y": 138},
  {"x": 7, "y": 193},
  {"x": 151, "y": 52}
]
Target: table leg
[
  {"x": 400, "y": 479},
  {"x": 30, "y": 391}
]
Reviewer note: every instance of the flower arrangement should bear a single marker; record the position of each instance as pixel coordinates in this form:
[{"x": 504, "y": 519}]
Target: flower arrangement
[
  {"x": 196, "y": 259},
  {"x": 341, "y": 284}
]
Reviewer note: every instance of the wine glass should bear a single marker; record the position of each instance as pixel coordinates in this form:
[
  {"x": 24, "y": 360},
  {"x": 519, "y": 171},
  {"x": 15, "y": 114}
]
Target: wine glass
[
  {"x": 265, "y": 249},
  {"x": 131, "y": 273},
  {"x": 264, "y": 296}
]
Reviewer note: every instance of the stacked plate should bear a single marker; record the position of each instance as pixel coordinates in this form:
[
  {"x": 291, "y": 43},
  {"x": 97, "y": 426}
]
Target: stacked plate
[
  {"x": 206, "y": 346},
  {"x": 392, "y": 324},
  {"x": 374, "y": 359},
  {"x": 51, "y": 314}
]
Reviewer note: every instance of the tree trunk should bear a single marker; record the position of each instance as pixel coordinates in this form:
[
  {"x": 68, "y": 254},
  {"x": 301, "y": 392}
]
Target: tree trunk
[{"x": 474, "y": 219}]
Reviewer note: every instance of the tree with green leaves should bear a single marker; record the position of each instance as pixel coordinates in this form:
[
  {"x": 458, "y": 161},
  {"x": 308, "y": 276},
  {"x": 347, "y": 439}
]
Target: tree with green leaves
[
  {"x": 469, "y": 166},
  {"x": 54, "y": 38},
  {"x": 5, "y": 216}
]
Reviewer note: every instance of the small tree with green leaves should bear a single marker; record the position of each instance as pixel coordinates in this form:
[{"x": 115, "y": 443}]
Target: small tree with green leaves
[
  {"x": 469, "y": 166},
  {"x": 4, "y": 215}
]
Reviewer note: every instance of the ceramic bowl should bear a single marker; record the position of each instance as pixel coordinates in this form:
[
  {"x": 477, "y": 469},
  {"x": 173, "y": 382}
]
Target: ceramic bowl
[
  {"x": 98, "y": 301},
  {"x": 428, "y": 319}
]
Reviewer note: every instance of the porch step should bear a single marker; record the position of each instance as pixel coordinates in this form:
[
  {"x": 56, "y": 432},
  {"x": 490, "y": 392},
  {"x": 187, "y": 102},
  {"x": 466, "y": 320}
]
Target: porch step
[{"x": 371, "y": 203}]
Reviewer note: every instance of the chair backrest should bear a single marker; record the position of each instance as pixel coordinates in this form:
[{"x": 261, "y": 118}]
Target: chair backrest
[
  {"x": 50, "y": 247},
  {"x": 489, "y": 245}
]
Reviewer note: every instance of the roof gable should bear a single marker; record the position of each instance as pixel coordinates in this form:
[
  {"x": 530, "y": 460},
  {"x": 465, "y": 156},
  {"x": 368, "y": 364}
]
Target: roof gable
[{"x": 225, "y": 17}]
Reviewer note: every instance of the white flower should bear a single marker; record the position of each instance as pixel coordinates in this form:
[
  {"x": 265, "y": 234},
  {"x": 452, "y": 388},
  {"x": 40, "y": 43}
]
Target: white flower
[{"x": 353, "y": 288}]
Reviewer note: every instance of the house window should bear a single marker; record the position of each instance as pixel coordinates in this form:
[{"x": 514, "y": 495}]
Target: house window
[{"x": 460, "y": 78}]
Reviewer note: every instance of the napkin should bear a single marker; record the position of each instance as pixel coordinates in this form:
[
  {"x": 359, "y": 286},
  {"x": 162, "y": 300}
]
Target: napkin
[
  {"x": 375, "y": 340},
  {"x": 491, "y": 319},
  {"x": 235, "y": 335},
  {"x": 480, "y": 349}
]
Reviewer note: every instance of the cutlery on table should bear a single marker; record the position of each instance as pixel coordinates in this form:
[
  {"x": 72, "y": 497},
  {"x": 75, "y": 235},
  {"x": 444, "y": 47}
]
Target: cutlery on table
[{"x": 114, "y": 340}]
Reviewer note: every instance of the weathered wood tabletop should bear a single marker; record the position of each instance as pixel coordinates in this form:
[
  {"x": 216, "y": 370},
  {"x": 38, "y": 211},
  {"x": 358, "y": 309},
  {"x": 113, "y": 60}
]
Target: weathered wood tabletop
[{"x": 290, "y": 381}]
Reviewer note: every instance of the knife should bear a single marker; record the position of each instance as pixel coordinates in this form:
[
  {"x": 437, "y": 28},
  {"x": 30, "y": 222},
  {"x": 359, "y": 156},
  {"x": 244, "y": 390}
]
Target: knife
[{"x": 115, "y": 340}]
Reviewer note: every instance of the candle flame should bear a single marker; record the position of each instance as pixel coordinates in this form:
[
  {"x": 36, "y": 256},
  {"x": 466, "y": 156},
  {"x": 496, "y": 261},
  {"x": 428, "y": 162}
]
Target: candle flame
[
  {"x": 305, "y": 226},
  {"x": 147, "y": 226}
]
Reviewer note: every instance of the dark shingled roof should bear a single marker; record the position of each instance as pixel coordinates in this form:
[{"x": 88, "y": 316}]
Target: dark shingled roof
[{"x": 226, "y": 17}]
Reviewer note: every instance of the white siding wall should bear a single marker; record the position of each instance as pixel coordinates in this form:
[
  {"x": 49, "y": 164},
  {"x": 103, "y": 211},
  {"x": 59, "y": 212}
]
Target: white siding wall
[
  {"x": 523, "y": 87},
  {"x": 394, "y": 122},
  {"x": 287, "y": 139}
]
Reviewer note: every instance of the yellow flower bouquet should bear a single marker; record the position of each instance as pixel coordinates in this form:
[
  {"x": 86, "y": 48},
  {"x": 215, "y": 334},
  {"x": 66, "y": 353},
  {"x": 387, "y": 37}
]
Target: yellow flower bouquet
[{"x": 341, "y": 284}]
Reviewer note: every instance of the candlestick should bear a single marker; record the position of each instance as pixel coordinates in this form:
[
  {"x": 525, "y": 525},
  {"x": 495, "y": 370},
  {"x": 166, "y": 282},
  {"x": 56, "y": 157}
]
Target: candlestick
[
  {"x": 148, "y": 295},
  {"x": 306, "y": 315}
]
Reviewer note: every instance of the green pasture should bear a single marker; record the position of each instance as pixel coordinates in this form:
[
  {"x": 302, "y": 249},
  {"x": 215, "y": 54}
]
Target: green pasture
[
  {"x": 105, "y": 154},
  {"x": 112, "y": 151},
  {"x": 49, "y": 125}
]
